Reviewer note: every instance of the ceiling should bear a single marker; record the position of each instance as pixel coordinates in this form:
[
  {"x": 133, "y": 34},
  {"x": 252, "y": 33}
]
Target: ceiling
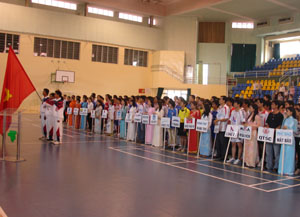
[{"x": 210, "y": 10}]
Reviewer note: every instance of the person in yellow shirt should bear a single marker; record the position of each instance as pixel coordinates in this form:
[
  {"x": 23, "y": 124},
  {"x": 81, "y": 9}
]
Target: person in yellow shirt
[{"x": 184, "y": 112}]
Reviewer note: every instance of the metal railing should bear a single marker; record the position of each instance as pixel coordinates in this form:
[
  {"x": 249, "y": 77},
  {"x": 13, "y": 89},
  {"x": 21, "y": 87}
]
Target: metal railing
[
  {"x": 168, "y": 70},
  {"x": 266, "y": 73}
]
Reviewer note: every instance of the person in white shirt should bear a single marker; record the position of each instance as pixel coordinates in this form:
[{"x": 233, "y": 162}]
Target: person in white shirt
[
  {"x": 42, "y": 114},
  {"x": 90, "y": 109},
  {"x": 237, "y": 118},
  {"x": 49, "y": 117},
  {"x": 221, "y": 121}
]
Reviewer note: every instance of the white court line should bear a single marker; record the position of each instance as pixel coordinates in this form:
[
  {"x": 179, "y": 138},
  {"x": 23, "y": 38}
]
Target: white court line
[
  {"x": 276, "y": 181},
  {"x": 282, "y": 188},
  {"x": 80, "y": 142},
  {"x": 201, "y": 173},
  {"x": 186, "y": 162},
  {"x": 217, "y": 168}
]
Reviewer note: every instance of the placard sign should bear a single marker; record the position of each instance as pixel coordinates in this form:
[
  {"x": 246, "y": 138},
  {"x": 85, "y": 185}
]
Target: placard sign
[
  {"x": 265, "y": 134},
  {"x": 245, "y": 132},
  {"x": 232, "y": 131},
  {"x": 284, "y": 137},
  {"x": 93, "y": 114},
  {"x": 217, "y": 129},
  {"x": 165, "y": 123},
  {"x": 175, "y": 122},
  {"x": 119, "y": 115},
  {"x": 69, "y": 110},
  {"x": 128, "y": 118},
  {"x": 138, "y": 118},
  {"x": 153, "y": 119},
  {"x": 145, "y": 119},
  {"x": 189, "y": 123},
  {"x": 202, "y": 125},
  {"x": 104, "y": 114},
  {"x": 83, "y": 111},
  {"x": 76, "y": 111}
]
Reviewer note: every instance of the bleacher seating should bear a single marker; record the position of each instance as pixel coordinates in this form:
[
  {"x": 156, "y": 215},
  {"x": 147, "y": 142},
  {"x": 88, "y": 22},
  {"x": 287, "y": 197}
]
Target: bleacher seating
[
  {"x": 268, "y": 88},
  {"x": 274, "y": 68}
]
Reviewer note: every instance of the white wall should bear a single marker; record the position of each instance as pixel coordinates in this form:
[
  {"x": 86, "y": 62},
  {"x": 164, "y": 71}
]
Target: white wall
[
  {"x": 180, "y": 33},
  {"x": 215, "y": 55},
  {"x": 16, "y": 18}
]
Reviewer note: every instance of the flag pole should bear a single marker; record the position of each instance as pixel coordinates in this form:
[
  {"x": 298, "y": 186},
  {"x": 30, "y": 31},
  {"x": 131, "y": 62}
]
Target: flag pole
[{"x": 39, "y": 95}]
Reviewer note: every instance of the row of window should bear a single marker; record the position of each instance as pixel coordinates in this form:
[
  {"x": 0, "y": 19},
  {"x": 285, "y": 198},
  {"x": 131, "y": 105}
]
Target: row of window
[
  {"x": 45, "y": 47},
  {"x": 7, "y": 40}
]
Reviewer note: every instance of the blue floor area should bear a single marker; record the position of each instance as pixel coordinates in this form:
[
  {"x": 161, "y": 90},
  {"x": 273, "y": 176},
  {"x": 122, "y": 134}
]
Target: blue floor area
[{"x": 99, "y": 176}]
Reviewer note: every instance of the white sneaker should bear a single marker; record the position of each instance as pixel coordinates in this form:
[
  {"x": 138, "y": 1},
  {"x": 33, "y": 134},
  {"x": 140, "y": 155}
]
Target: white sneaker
[
  {"x": 56, "y": 143},
  {"x": 231, "y": 160},
  {"x": 237, "y": 161}
]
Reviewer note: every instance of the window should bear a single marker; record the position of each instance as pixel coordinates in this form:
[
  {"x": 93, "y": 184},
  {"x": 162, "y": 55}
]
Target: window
[
  {"x": 136, "y": 58},
  {"x": 205, "y": 74},
  {"x": 131, "y": 17},
  {"x": 55, "y": 3},
  {"x": 100, "y": 11},
  {"x": 242, "y": 25},
  {"x": 45, "y": 47},
  {"x": 289, "y": 48},
  {"x": 105, "y": 54},
  {"x": 7, "y": 40},
  {"x": 154, "y": 21},
  {"x": 172, "y": 93}
]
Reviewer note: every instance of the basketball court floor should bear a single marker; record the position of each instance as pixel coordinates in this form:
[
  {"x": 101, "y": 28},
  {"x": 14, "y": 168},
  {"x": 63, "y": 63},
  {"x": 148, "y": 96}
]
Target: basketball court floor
[{"x": 99, "y": 176}]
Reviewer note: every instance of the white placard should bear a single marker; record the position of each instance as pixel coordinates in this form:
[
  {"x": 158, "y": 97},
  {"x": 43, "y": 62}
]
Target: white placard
[
  {"x": 76, "y": 111},
  {"x": 189, "y": 123},
  {"x": 69, "y": 110},
  {"x": 217, "y": 129},
  {"x": 104, "y": 114},
  {"x": 175, "y": 122},
  {"x": 265, "y": 134},
  {"x": 83, "y": 111},
  {"x": 119, "y": 115},
  {"x": 138, "y": 118},
  {"x": 165, "y": 123},
  {"x": 145, "y": 119},
  {"x": 284, "y": 137},
  {"x": 245, "y": 132},
  {"x": 232, "y": 131},
  {"x": 153, "y": 119},
  {"x": 128, "y": 118},
  {"x": 93, "y": 114},
  {"x": 202, "y": 125}
]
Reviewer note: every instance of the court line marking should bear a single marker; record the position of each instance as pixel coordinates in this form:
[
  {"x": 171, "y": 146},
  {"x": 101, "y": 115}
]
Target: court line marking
[
  {"x": 253, "y": 170},
  {"x": 217, "y": 168},
  {"x": 277, "y": 181},
  {"x": 183, "y": 168},
  {"x": 80, "y": 142},
  {"x": 283, "y": 188}
]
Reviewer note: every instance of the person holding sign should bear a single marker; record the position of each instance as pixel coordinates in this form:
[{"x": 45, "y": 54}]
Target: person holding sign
[
  {"x": 274, "y": 121},
  {"x": 171, "y": 131},
  {"x": 141, "y": 127},
  {"x": 205, "y": 142},
  {"x": 297, "y": 142},
  {"x": 84, "y": 104},
  {"x": 251, "y": 146},
  {"x": 77, "y": 117},
  {"x": 131, "y": 125},
  {"x": 290, "y": 122},
  {"x": 236, "y": 118},
  {"x": 150, "y": 127},
  {"x": 89, "y": 118},
  {"x": 158, "y": 131},
  {"x": 98, "y": 112},
  {"x": 72, "y": 106},
  {"x": 124, "y": 110},
  {"x": 222, "y": 119},
  {"x": 110, "y": 118},
  {"x": 184, "y": 112},
  {"x": 193, "y": 138}
]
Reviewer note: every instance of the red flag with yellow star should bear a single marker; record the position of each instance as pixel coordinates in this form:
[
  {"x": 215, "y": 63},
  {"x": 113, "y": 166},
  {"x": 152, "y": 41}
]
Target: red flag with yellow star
[{"x": 16, "y": 87}]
